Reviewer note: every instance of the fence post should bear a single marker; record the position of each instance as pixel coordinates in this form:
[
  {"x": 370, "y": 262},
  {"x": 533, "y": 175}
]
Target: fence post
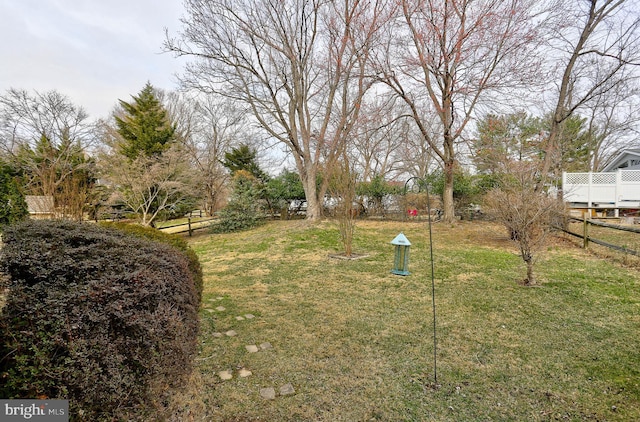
[
  {"x": 189, "y": 222},
  {"x": 585, "y": 232}
]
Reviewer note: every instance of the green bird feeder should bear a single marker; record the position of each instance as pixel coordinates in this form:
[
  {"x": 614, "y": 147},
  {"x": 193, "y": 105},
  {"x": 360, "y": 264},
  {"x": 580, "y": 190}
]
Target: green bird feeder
[{"x": 401, "y": 261}]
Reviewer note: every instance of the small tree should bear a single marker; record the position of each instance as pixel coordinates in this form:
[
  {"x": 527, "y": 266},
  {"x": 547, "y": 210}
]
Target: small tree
[
  {"x": 342, "y": 187},
  {"x": 527, "y": 213},
  {"x": 149, "y": 186},
  {"x": 243, "y": 210}
]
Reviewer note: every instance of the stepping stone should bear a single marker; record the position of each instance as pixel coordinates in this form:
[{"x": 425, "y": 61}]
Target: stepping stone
[
  {"x": 268, "y": 393},
  {"x": 287, "y": 389},
  {"x": 225, "y": 375},
  {"x": 217, "y": 334},
  {"x": 209, "y": 310},
  {"x": 243, "y": 373},
  {"x": 266, "y": 346},
  {"x": 239, "y": 318},
  {"x": 219, "y": 298},
  {"x": 220, "y": 308},
  {"x": 231, "y": 333},
  {"x": 251, "y": 348},
  {"x": 249, "y": 316}
]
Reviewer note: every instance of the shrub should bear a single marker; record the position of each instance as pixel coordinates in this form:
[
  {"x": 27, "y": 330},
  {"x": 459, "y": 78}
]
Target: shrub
[
  {"x": 175, "y": 241},
  {"x": 243, "y": 210},
  {"x": 104, "y": 319},
  {"x": 12, "y": 203}
]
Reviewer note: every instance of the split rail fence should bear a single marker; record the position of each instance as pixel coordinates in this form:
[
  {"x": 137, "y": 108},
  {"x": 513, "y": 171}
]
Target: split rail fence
[{"x": 630, "y": 245}]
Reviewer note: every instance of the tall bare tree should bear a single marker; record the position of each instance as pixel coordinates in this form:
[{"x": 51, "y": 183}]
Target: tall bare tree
[
  {"x": 378, "y": 140},
  {"x": 445, "y": 58},
  {"x": 613, "y": 122},
  {"x": 298, "y": 65},
  {"x": 598, "y": 50},
  {"x": 208, "y": 127}
]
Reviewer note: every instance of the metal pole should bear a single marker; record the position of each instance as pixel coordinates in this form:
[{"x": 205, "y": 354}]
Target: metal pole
[{"x": 433, "y": 282}]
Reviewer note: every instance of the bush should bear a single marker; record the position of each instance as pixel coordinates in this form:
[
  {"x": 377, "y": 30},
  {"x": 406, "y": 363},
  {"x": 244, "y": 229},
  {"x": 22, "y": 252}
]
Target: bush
[
  {"x": 177, "y": 242},
  {"x": 243, "y": 210},
  {"x": 104, "y": 319}
]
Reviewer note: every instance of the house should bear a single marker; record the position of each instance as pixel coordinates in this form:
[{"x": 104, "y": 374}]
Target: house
[
  {"x": 616, "y": 188},
  {"x": 628, "y": 159},
  {"x": 39, "y": 206}
]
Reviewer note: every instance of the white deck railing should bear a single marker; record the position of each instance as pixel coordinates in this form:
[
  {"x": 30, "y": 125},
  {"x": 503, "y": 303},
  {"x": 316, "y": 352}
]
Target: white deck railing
[{"x": 620, "y": 189}]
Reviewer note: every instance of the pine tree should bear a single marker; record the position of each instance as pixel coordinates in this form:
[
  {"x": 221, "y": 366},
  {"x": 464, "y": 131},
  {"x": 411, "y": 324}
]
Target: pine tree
[
  {"x": 244, "y": 158},
  {"x": 145, "y": 125}
]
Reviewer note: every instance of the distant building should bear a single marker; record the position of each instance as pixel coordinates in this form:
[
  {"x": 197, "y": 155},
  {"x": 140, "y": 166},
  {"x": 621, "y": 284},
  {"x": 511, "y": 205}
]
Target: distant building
[
  {"x": 628, "y": 159},
  {"x": 40, "y": 206}
]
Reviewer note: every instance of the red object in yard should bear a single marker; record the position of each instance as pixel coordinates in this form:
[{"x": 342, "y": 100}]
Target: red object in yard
[{"x": 413, "y": 213}]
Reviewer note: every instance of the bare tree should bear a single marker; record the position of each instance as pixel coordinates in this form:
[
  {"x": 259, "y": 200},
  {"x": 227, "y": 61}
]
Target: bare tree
[
  {"x": 208, "y": 127},
  {"x": 415, "y": 153},
  {"x": 148, "y": 185},
  {"x": 343, "y": 191},
  {"x": 612, "y": 122},
  {"x": 527, "y": 213},
  {"x": 298, "y": 65},
  {"x": 47, "y": 137},
  {"x": 598, "y": 46},
  {"x": 446, "y": 58}
]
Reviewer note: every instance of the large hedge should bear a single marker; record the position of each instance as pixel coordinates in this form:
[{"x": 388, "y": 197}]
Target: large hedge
[
  {"x": 174, "y": 240},
  {"x": 102, "y": 318}
]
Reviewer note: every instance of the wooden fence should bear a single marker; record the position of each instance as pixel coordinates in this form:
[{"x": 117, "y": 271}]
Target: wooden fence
[
  {"x": 586, "y": 237},
  {"x": 190, "y": 226}
]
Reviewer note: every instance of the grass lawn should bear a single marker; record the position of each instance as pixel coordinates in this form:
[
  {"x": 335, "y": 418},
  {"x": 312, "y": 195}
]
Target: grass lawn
[{"x": 356, "y": 342}]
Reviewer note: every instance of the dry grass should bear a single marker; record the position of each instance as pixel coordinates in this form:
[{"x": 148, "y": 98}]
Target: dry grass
[{"x": 356, "y": 341}]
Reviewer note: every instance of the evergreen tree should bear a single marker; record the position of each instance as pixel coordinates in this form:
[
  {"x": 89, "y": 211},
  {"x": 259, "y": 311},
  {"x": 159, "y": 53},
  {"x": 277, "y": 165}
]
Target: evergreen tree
[
  {"x": 244, "y": 158},
  {"x": 145, "y": 125},
  {"x": 12, "y": 204},
  {"x": 244, "y": 208}
]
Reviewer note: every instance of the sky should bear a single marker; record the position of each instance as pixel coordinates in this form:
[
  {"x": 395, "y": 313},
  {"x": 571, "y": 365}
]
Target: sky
[{"x": 93, "y": 51}]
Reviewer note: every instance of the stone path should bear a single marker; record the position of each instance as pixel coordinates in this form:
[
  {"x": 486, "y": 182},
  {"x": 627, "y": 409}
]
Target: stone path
[{"x": 267, "y": 393}]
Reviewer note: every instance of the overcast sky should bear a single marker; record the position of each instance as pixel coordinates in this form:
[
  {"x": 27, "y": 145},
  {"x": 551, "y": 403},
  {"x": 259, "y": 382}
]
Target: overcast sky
[{"x": 93, "y": 51}]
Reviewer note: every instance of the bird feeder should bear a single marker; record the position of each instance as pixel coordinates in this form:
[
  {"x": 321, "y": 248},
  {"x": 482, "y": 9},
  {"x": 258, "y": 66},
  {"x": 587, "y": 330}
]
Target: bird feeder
[{"x": 401, "y": 260}]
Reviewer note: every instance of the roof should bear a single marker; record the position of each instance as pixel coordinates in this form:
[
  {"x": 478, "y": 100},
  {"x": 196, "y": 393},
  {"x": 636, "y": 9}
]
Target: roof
[
  {"x": 39, "y": 204},
  {"x": 615, "y": 164}
]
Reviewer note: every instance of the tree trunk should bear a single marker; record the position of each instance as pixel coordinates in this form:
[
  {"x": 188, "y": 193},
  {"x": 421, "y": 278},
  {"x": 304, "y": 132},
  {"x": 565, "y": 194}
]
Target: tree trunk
[
  {"x": 530, "y": 280},
  {"x": 314, "y": 204},
  {"x": 447, "y": 195}
]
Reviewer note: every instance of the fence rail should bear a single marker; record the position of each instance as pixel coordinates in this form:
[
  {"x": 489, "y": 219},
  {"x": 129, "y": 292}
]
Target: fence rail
[
  {"x": 190, "y": 226},
  {"x": 586, "y": 238}
]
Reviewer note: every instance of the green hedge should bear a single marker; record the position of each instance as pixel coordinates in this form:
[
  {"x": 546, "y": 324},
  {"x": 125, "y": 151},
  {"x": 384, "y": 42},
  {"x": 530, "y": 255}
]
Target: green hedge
[
  {"x": 178, "y": 242},
  {"x": 102, "y": 318}
]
